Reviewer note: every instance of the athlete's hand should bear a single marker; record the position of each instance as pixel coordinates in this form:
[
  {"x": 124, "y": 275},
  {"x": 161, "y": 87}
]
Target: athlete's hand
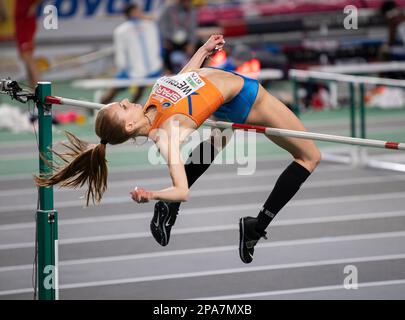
[
  {"x": 140, "y": 195},
  {"x": 214, "y": 44}
]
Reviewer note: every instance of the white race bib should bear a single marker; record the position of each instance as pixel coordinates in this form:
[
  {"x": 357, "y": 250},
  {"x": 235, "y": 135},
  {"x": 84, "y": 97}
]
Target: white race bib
[{"x": 178, "y": 87}]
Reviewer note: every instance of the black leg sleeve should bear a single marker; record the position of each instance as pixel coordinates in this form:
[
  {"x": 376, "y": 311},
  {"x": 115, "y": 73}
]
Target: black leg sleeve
[{"x": 284, "y": 190}]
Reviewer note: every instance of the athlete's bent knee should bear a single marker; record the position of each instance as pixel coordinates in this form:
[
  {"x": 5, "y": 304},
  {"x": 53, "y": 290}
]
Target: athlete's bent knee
[
  {"x": 311, "y": 159},
  {"x": 314, "y": 159},
  {"x": 317, "y": 158}
]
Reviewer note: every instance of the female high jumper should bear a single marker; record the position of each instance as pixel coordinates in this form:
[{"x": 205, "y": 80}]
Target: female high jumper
[{"x": 177, "y": 106}]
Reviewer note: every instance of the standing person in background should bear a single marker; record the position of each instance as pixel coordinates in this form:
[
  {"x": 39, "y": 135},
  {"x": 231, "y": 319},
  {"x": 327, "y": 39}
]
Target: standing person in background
[
  {"x": 178, "y": 28},
  {"x": 394, "y": 16},
  {"x": 394, "y": 47},
  {"x": 25, "y": 28},
  {"x": 3, "y": 11},
  {"x": 137, "y": 50}
]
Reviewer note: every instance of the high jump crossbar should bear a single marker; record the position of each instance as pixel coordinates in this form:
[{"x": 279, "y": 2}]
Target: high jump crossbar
[
  {"x": 274, "y": 132},
  {"x": 259, "y": 129}
]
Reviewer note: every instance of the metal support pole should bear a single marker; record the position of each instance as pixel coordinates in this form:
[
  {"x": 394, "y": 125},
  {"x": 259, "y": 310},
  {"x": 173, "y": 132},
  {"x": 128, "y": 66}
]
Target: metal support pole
[
  {"x": 355, "y": 151},
  {"x": 362, "y": 111},
  {"x": 362, "y": 152},
  {"x": 296, "y": 98},
  {"x": 47, "y": 217},
  {"x": 352, "y": 111}
]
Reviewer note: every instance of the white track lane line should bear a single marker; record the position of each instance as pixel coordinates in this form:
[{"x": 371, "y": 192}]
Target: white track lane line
[
  {"x": 208, "y": 211},
  {"x": 275, "y": 244},
  {"x": 163, "y": 168},
  {"x": 158, "y": 180},
  {"x": 302, "y": 290},
  {"x": 216, "y": 272},
  {"x": 142, "y": 215},
  {"x": 135, "y": 235},
  {"x": 213, "y": 192}
]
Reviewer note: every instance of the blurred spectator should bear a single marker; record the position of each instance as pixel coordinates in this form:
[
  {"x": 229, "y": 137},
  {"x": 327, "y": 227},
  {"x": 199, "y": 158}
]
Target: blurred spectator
[
  {"x": 3, "y": 11},
  {"x": 25, "y": 28},
  {"x": 137, "y": 50},
  {"x": 178, "y": 28},
  {"x": 394, "y": 17},
  {"x": 394, "y": 49}
]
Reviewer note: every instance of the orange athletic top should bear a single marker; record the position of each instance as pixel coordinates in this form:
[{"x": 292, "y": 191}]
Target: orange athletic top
[{"x": 186, "y": 93}]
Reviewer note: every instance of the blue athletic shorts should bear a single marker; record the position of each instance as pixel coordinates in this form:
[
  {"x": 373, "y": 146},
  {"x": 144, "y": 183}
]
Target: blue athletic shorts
[{"x": 239, "y": 107}]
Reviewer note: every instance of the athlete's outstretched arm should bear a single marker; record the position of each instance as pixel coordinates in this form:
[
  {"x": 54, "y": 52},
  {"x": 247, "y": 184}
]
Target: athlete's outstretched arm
[
  {"x": 169, "y": 148},
  {"x": 214, "y": 44}
]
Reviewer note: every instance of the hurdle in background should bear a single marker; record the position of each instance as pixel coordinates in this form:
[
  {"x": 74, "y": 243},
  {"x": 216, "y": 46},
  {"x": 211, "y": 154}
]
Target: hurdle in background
[
  {"x": 358, "y": 69},
  {"x": 47, "y": 216},
  {"x": 364, "y": 68},
  {"x": 359, "y": 156}
]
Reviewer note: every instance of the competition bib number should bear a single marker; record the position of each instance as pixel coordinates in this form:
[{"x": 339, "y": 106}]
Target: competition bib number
[{"x": 178, "y": 87}]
